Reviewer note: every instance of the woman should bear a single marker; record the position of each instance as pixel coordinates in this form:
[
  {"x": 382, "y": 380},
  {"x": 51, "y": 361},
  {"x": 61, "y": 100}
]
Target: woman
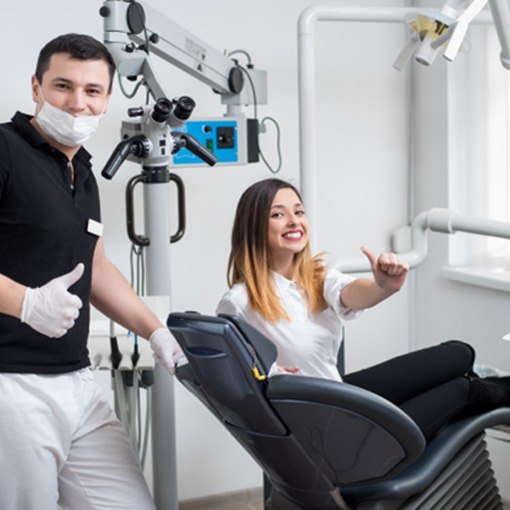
[{"x": 278, "y": 287}]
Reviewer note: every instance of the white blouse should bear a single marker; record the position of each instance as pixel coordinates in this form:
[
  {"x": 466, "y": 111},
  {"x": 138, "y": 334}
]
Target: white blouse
[{"x": 307, "y": 341}]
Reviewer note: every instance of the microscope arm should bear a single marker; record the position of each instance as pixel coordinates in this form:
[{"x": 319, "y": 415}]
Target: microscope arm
[
  {"x": 184, "y": 50},
  {"x": 129, "y": 27}
]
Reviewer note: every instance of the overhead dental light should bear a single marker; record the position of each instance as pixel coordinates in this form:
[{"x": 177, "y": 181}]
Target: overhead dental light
[
  {"x": 433, "y": 31},
  {"x": 446, "y": 30},
  {"x": 427, "y": 30}
]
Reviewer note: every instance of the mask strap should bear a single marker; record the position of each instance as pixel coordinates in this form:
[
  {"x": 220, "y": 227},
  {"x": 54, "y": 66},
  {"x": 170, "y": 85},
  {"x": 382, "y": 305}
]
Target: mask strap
[
  {"x": 38, "y": 109},
  {"x": 106, "y": 105}
]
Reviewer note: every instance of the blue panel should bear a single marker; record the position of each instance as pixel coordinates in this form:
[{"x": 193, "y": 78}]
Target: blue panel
[{"x": 219, "y": 136}]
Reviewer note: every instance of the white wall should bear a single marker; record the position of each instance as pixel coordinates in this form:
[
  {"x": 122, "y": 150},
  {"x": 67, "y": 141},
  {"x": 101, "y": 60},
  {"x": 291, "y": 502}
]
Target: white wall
[{"x": 362, "y": 166}]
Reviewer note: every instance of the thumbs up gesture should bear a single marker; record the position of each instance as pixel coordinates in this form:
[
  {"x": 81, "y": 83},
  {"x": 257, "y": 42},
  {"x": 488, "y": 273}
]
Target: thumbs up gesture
[
  {"x": 389, "y": 271},
  {"x": 52, "y": 309}
]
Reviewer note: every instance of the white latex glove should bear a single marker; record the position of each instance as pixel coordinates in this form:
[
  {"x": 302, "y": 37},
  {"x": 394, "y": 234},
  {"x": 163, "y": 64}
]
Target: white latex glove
[
  {"x": 52, "y": 309},
  {"x": 166, "y": 350}
]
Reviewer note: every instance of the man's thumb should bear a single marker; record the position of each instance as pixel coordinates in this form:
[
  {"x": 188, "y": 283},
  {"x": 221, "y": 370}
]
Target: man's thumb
[{"x": 73, "y": 276}]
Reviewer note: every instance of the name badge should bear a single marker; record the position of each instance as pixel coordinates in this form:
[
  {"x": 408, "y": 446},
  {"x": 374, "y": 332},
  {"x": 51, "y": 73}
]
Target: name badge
[{"x": 94, "y": 227}]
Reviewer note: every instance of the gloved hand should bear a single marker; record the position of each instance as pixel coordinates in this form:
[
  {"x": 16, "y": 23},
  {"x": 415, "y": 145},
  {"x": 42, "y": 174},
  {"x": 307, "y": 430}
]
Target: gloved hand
[
  {"x": 52, "y": 309},
  {"x": 166, "y": 350}
]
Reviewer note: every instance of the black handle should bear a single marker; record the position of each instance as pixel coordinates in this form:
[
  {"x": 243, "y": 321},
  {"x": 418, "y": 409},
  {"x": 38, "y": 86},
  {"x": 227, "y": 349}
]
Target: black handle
[
  {"x": 194, "y": 146},
  {"x": 135, "y": 145},
  {"x": 181, "y": 208},
  {"x": 130, "y": 212}
]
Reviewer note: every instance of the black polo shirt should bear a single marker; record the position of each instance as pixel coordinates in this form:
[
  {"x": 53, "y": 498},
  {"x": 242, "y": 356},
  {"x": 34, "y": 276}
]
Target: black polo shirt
[{"x": 44, "y": 234}]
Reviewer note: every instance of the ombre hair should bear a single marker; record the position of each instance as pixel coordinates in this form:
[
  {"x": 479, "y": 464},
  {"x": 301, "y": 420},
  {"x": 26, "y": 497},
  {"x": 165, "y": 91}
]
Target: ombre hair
[{"x": 249, "y": 260}]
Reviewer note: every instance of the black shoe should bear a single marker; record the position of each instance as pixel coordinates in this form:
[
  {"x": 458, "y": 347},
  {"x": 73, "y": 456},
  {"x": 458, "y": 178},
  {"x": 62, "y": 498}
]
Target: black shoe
[
  {"x": 486, "y": 394},
  {"x": 504, "y": 384}
]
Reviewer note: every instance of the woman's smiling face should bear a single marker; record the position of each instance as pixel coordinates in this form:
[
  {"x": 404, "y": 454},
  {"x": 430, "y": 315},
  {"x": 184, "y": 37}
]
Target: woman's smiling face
[{"x": 288, "y": 225}]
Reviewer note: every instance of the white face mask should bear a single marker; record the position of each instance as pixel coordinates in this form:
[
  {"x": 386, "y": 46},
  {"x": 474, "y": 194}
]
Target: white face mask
[{"x": 66, "y": 128}]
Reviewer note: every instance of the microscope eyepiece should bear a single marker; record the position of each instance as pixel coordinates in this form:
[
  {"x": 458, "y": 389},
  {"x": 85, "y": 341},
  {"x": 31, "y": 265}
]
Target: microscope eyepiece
[
  {"x": 136, "y": 111},
  {"x": 162, "y": 109},
  {"x": 183, "y": 107}
]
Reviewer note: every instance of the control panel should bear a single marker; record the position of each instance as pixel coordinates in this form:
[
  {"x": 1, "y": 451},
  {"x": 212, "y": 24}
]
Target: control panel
[{"x": 221, "y": 137}]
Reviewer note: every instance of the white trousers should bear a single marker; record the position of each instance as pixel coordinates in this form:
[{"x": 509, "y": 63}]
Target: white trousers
[{"x": 61, "y": 443}]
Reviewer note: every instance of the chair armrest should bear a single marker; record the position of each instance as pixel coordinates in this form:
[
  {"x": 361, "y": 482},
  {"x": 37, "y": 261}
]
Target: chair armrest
[
  {"x": 349, "y": 397},
  {"x": 362, "y": 436}
]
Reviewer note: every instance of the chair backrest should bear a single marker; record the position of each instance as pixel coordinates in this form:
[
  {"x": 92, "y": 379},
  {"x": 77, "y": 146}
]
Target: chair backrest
[{"x": 310, "y": 436}]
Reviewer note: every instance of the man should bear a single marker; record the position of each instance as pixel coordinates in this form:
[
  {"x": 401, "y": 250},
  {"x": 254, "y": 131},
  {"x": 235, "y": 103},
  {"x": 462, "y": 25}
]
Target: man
[{"x": 60, "y": 443}]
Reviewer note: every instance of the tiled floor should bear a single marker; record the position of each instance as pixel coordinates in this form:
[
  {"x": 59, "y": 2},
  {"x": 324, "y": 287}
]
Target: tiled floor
[
  {"x": 251, "y": 499},
  {"x": 238, "y": 506}
]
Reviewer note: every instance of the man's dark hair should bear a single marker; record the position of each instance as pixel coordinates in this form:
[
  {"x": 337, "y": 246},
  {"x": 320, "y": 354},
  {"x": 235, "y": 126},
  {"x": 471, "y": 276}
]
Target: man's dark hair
[{"x": 77, "y": 46}]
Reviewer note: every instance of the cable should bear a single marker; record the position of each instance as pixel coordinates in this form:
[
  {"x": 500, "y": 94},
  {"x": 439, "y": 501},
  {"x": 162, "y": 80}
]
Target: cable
[
  {"x": 138, "y": 430},
  {"x": 245, "y": 53},
  {"x": 138, "y": 419},
  {"x": 131, "y": 94},
  {"x": 137, "y": 268},
  {"x": 278, "y": 147},
  {"x": 252, "y": 85},
  {"x": 278, "y": 135},
  {"x": 120, "y": 400},
  {"x": 145, "y": 441}
]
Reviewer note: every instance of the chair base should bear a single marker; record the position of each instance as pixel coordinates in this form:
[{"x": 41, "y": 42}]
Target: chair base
[{"x": 467, "y": 482}]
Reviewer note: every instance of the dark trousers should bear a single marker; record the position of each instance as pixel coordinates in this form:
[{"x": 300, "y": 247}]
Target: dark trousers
[{"x": 430, "y": 384}]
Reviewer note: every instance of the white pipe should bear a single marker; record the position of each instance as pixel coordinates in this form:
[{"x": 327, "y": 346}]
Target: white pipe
[
  {"x": 436, "y": 220},
  {"x": 501, "y": 15},
  {"x": 461, "y": 26},
  {"x": 306, "y": 84},
  {"x": 306, "y": 81}
]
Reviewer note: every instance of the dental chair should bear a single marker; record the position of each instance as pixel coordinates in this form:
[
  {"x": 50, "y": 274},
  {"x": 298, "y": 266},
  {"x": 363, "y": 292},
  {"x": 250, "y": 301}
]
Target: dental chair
[{"x": 324, "y": 445}]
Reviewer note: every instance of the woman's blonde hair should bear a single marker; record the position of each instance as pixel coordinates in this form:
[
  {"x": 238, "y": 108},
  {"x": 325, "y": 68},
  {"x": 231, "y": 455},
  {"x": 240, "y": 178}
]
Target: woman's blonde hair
[{"x": 249, "y": 256}]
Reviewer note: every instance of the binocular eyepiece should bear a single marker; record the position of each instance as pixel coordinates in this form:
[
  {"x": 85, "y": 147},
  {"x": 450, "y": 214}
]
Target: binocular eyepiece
[
  {"x": 162, "y": 110},
  {"x": 182, "y": 109}
]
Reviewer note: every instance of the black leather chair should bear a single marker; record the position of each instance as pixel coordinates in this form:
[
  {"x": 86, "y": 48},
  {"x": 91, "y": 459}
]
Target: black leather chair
[{"x": 324, "y": 445}]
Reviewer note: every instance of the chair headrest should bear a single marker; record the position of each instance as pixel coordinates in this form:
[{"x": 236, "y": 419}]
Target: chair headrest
[{"x": 265, "y": 350}]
